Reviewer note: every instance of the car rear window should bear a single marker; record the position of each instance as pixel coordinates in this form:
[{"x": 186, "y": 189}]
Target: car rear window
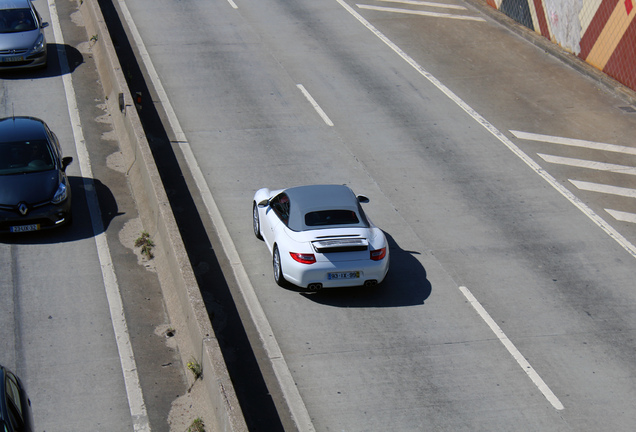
[{"x": 331, "y": 217}]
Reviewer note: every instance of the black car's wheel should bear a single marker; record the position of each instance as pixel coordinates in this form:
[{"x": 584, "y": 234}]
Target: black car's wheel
[
  {"x": 278, "y": 270},
  {"x": 256, "y": 222}
]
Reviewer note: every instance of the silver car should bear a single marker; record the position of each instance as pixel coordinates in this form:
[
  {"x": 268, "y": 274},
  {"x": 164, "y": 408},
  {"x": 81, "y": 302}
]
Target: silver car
[{"x": 22, "y": 40}]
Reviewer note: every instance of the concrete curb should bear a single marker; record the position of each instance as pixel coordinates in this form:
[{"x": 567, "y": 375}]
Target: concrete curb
[{"x": 188, "y": 315}]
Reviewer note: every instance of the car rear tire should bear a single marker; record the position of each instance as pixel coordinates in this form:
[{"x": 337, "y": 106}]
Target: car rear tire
[
  {"x": 256, "y": 222},
  {"x": 278, "y": 269}
]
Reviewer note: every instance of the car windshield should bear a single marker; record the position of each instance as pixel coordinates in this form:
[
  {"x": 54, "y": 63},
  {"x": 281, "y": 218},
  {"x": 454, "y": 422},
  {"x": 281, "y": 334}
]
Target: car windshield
[
  {"x": 24, "y": 157},
  {"x": 17, "y": 20},
  {"x": 331, "y": 217}
]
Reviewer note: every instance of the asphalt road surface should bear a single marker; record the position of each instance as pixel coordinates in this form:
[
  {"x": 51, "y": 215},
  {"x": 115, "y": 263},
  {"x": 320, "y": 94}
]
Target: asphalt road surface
[
  {"x": 65, "y": 329},
  {"x": 503, "y": 178}
]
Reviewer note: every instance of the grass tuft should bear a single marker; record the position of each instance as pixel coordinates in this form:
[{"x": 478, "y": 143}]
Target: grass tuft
[
  {"x": 195, "y": 368},
  {"x": 197, "y": 425},
  {"x": 146, "y": 244}
]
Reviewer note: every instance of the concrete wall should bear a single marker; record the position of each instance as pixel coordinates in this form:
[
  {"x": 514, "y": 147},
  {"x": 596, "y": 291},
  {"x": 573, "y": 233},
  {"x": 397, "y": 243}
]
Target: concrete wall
[
  {"x": 600, "y": 32},
  {"x": 188, "y": 315}
]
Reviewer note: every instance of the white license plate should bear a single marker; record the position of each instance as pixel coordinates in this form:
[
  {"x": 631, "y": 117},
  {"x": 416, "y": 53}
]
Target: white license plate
[
  {"x": 343, "y": 275},
  {"x": 13, "y": 59},
  {"x": 25, "y": 228}
]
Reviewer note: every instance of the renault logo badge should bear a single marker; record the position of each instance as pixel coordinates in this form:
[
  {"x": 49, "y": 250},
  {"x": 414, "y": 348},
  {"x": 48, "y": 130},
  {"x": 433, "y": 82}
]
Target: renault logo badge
[{"x": 23, "y": 209}]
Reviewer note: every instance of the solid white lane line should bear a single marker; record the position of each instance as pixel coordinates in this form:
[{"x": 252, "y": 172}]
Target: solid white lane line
[
  {"x": 606, "y": 189},
  {"x": 609, "y": 230},
  {"x": 583, "y": 163},
  {"x": 291, "y": 395},
  {"x": 622, "y": 216},
  {"x": 425, "y": 3},
  {"x": 529, "y": 370},
  {"x": 127, "y": 358},
  {"x": 313, "y": 103},
  {"x": 574, "y": 142},
  {"x": 232, "y": 4},
  {"x": 418, "y": 12}
]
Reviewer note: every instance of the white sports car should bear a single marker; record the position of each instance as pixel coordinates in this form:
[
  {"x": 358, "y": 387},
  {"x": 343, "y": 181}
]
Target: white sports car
[{"x": 320, "y": 237}]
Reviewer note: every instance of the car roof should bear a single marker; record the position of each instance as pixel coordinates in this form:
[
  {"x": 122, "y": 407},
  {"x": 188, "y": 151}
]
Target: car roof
[
  {"x": 15, "y": 4},
  {"x": 322, "y": 197},
  {"x": 21, "y": 128},
  {"x": 305, "y": 199}
]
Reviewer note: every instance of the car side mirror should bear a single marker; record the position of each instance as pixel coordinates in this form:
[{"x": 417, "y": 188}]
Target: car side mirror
[
  {"x": 263, "y": 203},
  {"x": 363, "y": 199},
  {"x": 66, "y": 161},
  {"x": 44, "y": 25}
]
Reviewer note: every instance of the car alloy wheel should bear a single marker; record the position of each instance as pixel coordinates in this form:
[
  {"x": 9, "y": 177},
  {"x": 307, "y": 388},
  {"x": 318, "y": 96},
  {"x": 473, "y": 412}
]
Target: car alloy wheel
[
  {"x": 256, "y": 223},
  {"x": 278, "y": 270}
]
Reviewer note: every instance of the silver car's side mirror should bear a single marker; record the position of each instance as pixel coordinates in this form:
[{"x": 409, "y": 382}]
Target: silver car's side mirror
[{"x": 363, "y": 199}]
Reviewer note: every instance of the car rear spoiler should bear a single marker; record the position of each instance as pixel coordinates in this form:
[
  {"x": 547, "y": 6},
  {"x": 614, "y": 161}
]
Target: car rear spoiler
[{"x": 340, "y": 245}]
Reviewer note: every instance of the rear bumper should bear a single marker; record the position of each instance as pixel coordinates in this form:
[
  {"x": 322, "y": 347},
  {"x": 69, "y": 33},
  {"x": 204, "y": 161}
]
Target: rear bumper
[{"x": 303, "y": 275}]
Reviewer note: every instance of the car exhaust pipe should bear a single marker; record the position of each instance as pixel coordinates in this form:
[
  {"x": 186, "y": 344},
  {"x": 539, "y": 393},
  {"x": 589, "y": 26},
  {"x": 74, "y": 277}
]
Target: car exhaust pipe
[
  {"x": 315, "y": 286},
  {"x": 370, "y": 283}
]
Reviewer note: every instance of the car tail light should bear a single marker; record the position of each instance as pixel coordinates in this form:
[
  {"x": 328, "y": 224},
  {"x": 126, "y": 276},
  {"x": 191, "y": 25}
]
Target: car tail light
[
  {"x": 303, "y": 258},
  {"x": 378, "y": 254}
]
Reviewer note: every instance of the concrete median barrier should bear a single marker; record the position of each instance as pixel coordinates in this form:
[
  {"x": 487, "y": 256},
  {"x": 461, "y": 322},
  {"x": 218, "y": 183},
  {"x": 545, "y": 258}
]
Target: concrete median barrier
[{"x": 182, "y": 297}]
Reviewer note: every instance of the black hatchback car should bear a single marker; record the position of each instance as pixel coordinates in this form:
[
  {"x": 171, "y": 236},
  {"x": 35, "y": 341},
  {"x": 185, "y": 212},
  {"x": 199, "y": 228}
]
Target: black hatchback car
[
  {"x": 34, "y": 190},
  {"x": 15, "y": 405}
]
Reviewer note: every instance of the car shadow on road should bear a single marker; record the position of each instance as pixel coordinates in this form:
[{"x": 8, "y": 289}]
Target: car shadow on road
[
  {"x": 82, "y": 226},
  {"x": 405, "y": 285},
  {"x": 53, "y": 67}
]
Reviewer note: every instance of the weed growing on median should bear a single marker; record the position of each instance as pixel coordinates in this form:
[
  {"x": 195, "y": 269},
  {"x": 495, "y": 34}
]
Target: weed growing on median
[
  {"x": 195, "y": 368},
  {"x": 146, "y": 244},
  {"x": 197, "y": 425}
]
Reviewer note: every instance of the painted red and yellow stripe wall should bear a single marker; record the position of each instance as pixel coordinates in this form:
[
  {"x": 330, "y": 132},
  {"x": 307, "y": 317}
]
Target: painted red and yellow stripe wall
[{"x": 601, "y": 32}]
